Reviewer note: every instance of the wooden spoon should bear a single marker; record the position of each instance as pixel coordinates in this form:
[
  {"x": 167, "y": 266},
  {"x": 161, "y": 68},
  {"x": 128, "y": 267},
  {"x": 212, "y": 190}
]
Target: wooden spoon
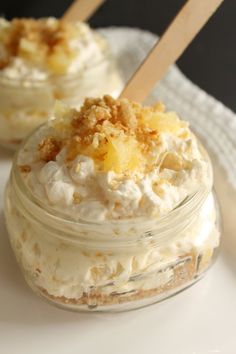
[
  {"x": 81, "y": 10},
  {"x": 180, "y": 33}
]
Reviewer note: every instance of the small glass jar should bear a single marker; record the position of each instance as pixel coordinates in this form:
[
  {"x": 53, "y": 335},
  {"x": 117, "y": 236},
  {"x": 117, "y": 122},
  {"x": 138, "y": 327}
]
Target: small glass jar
[
  {"x": 25, "y": 104},
  {"x": 113, "y": 265}
]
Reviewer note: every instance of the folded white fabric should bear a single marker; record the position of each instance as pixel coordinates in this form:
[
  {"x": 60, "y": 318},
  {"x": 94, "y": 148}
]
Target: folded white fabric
[{"x": 214, "y": 123}]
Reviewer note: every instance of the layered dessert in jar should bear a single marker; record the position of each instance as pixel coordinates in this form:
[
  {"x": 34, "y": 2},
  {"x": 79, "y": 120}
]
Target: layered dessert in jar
[
  {"x": 110, "y": 207},
  {"x": 45, "y": 60}
]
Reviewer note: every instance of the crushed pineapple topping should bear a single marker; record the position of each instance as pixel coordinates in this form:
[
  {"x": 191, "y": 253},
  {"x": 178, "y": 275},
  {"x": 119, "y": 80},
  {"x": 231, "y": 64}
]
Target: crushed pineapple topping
[
  {"x": 48, "y": 44},
  {"x": 113, "y": 159},
  {"x": 119, "y": 135}
]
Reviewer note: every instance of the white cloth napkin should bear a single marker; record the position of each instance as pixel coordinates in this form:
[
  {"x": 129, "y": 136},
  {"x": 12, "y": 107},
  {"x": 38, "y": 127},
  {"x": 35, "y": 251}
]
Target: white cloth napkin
[{"x": 214, "y": 123}]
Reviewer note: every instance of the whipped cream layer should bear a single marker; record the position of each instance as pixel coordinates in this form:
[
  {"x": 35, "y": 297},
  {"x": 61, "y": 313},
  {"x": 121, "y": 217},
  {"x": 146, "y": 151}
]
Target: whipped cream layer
[
  {"x": 36, "y": 49},
  {"x": 173, "y": 168},
  {"x": 70, "y": 270}
]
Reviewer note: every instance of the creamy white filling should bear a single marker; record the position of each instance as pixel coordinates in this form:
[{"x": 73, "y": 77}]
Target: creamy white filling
[
  {"x": 108, "y": 195},
  {"x": 67, "y": 269}
]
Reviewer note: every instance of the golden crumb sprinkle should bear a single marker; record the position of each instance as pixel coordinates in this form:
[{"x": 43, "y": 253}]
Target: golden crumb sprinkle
[
  {"x": 76, "y": 198},
  {"x": 49, "y": 148},
  {"x": 25, "y": 168},
  {"x": 42, "y": 42},
  {"x": 119, "y": 134}
]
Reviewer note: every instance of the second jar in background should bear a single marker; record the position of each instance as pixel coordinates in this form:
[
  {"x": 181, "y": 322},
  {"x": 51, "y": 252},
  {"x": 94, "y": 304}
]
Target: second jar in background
[{"x": 47, "y": 60}]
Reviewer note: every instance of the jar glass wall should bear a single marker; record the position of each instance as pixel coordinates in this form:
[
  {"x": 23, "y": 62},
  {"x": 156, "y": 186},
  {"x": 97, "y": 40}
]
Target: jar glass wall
[
  {"x": 25, "y": 104},
  {"x": 113, "y": 265}
]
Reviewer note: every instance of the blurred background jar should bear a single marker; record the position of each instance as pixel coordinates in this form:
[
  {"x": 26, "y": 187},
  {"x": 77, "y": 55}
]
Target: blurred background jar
[
  {"x": 28, "y": 91},
  {"x": 24, "y": 105}
]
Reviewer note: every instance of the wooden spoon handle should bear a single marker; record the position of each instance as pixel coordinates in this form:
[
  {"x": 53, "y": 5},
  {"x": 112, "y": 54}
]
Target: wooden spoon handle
[
  {"x": 81, "y": 10},
  {"x": 185, "y": 26}
]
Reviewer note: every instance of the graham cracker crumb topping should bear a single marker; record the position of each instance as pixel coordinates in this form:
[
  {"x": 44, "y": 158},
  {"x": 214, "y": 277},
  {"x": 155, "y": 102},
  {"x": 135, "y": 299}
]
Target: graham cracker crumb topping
[
  {"x": 49, "y": 148},
  {"x": 118, "y": 134}
]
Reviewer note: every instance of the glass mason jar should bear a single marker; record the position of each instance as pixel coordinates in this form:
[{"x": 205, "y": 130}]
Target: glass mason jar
[
  {"x": 113, "y": 265},
  {"x": 25, "y": 104}
]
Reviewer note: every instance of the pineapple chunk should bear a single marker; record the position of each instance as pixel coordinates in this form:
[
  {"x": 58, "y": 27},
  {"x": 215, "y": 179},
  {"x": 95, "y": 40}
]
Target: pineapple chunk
[
  {"x": 174, "y": 162},
  {"x": 163, "y": 122},
  {"x": 61, "y": 122},
  {"x": 122, "y": 154},
  {"x": 58, "y": 62},
  {"x": 30, "y": 51},
  {"x": 120, "y": 136},
  {"x": 27, "y": 48}
]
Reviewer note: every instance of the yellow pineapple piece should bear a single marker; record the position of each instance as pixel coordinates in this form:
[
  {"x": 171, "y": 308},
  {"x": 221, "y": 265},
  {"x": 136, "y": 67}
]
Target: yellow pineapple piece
[
  {"x": 61, "y": 123},
  {"x": 58, "y": 62},
  {"x": 120, "y": 135},
  {"x": 27, "y": 48},
  {"x": 174, "y": 162},
  {"x": 30, "y": 51},
  {"x": 122, "y": 154},
  {"x": 158, "y": 187},
  {"x": 163, "y": 122}
]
